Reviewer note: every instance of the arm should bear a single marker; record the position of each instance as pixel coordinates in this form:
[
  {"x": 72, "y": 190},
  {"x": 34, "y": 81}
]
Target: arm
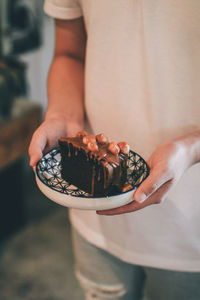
[
  {"x": 65, "y": 111},
  {"x": 167, "y": 164}
]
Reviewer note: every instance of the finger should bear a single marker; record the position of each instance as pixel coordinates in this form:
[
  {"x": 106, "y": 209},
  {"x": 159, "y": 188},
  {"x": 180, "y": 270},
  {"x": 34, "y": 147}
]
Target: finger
[
  {"x": 155, "y": 198},
  {"x": 120, "y": 210},
  {"x": 50, "y": 144},
  {"x": 152, "y": 183},
  {"x": 159, "y": 195},
  {"x": 36, "y": 148},
  {"x": 147, "y": 188}
]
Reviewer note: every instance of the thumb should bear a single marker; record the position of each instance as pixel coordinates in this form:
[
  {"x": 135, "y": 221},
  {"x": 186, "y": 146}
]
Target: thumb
[
  {"x": 152, "y": 183},
  {"x": 34, "y": 158},
  {"x": 36, "y": 148}
]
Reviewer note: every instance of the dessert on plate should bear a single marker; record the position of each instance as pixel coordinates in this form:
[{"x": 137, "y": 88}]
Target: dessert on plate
[{"x": 94, "y": 164}]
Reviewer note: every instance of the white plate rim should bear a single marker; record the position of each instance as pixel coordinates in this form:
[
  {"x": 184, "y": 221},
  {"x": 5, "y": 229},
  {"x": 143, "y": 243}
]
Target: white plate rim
[
  {"x": 82, "y": 201},
  {"x": 85, "y": 203}
]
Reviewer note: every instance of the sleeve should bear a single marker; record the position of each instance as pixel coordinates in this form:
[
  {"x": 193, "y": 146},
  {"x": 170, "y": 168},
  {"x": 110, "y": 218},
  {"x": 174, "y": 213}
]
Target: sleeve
[{"x": 63, "y": 9}]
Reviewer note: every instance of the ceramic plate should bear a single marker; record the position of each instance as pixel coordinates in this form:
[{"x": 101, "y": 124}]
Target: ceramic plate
[{"x": 49, "y": 181}]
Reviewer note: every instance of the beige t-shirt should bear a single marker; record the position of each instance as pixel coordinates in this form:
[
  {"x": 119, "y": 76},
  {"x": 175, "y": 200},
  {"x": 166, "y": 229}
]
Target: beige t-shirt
[{"x": 143, "y": 86}]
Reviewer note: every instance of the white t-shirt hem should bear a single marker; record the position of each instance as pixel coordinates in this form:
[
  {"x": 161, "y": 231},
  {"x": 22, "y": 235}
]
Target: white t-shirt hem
[
  {"x": 130, "y": 256},
  {"x": 64, "y": 13}
]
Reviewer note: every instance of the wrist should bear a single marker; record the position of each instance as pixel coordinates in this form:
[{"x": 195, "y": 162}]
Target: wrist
[
  {"x": 66, "y": 118},
  {"x": 195, "y": 147},
  {"x": 192, "y": 143}
]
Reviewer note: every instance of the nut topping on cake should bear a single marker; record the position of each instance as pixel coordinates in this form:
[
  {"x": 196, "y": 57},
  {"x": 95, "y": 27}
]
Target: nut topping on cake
[
  {"x": 93, "y": 164},
  {"x": 101, "y": 138},
  {"x": 124, "y": 147},
  {"x": 89, "y": 139},
  {"x": 127, "y": 187},
  {"x": 113, "y": 148},
  {"x": 81, "y": 134},
  {"x": 92, "y": 147}
]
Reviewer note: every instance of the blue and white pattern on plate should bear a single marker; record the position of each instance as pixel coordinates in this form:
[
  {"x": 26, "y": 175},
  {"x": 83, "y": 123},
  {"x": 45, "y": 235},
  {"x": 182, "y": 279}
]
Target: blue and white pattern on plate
[{"x": 48, "y": 170}]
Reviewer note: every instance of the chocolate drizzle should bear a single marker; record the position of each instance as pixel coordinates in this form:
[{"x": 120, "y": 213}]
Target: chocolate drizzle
[
  {"x": 107, "y": 168},
  {"x": 101, "y": 154}
]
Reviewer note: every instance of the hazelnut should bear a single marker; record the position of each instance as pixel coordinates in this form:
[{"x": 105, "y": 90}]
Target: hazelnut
[
  {"x": 113, "y": 148},
  {"x": 92, "y": 147},
  {"x": 101, "y": 138},
  {"x": 124, "y": 147},
  {"x": 126, "y": 188},
  {"x": 81, "y": 134},
  {"x": 89, "y": 139}
]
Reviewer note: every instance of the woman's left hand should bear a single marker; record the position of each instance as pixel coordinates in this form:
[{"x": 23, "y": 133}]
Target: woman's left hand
[{"x": 167, "y": 164}]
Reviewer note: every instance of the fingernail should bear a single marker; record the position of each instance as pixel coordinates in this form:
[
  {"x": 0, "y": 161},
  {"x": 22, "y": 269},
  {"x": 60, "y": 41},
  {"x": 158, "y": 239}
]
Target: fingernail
[
  {"x": 142, "y": 198},
  {"x": 31, "y": 163}
]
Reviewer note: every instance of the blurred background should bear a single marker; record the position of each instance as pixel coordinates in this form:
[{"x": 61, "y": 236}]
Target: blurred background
[{"x": 36, "y": 260}]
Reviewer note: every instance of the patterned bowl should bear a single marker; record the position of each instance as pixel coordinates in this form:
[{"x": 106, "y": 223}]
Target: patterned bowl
[{"x": 49, "y": 181}]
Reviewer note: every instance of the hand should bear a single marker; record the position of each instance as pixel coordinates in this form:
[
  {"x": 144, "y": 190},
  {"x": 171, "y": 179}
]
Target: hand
[
  {"x": 167, "y": 164},
  {"x": 47, "y": 135}
]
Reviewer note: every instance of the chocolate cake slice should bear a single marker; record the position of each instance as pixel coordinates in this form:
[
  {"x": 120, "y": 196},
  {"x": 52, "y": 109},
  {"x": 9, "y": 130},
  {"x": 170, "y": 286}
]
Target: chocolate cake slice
[{"x": 93, "y": 164}]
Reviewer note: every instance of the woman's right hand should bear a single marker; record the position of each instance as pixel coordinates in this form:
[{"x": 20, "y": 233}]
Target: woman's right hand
[{"x": 46, "y": 136}]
